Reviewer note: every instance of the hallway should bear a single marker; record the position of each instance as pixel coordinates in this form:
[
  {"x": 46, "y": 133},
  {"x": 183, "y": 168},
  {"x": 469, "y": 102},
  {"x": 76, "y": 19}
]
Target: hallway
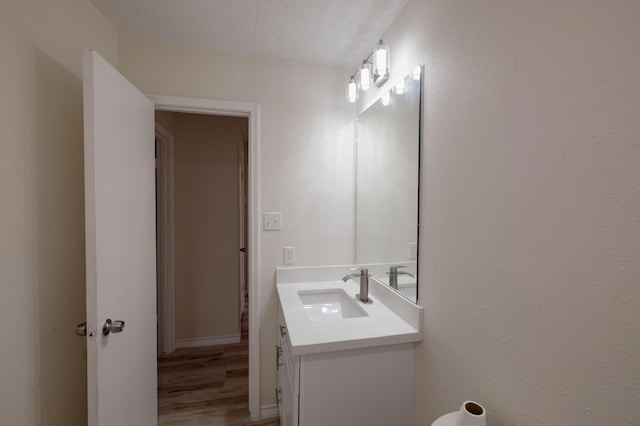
[{"x": 207, "y": 385}]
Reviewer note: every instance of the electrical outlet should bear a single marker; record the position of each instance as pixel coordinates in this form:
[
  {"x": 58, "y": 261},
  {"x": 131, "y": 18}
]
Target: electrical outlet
[
  {"x": 413, "y": 251},
  {"x": 272, "y": 221},
  {"x": 289, "y": 255}
]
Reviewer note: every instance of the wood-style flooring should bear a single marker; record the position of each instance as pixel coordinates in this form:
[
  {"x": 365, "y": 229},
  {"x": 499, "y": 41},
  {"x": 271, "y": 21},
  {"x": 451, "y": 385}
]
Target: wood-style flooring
[{"x": 207, "y": 386}]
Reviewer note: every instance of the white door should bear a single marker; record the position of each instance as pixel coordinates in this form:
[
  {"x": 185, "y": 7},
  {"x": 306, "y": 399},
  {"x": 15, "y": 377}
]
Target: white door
[{"x": 120, "y": 247}]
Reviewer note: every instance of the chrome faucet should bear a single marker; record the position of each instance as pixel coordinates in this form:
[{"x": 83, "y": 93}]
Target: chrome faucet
[
  {"x": 393, "y": 275},
  {"x": 364, "y": 285}
]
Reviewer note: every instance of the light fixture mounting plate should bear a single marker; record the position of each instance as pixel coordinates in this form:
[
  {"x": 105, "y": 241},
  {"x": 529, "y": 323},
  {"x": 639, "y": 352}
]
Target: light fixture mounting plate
[{"x": 378, "y": 80}]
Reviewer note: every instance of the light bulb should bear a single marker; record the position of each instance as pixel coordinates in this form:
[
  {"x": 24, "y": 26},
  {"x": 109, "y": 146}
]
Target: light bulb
[
  {"x": 416, "y": 73},
  {"x": 386, "y": 98},
  {"x": 381, "y": 59},
  {"x": 352, "y": 90},
  {"x": 365, "y": 77},
  {"x": 400, "y": 87}
]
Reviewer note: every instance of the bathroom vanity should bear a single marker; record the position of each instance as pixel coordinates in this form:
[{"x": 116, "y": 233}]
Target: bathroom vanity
[{"x": 341, "y": 361}]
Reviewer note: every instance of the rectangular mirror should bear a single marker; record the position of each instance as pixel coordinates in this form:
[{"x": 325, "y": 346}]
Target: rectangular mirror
[{"x": 387, "y": 178}]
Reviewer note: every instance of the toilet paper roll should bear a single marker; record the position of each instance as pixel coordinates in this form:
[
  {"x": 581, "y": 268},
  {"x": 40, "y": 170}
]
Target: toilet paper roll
[{"x": 470, "y": 414}]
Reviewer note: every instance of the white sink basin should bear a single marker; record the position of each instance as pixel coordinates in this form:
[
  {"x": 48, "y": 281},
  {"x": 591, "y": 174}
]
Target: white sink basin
[{"x": 329, "y": 304}]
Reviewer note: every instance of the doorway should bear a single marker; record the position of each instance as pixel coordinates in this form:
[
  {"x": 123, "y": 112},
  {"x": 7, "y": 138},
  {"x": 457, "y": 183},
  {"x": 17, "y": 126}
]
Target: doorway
[
  {"x": 208, "y": 226},
  {"x": 250, "y": 112}
]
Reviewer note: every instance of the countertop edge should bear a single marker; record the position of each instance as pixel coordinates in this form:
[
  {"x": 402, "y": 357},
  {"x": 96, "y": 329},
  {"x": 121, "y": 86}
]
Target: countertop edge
[{"x": 355, "y": 344}]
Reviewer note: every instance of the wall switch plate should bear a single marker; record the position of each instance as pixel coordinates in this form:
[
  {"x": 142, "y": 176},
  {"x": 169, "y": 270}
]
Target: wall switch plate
[
  {"x": 413, "y": 251},
  {"x": 289, "y": 255},
  {"x": 272, "y": 221}
]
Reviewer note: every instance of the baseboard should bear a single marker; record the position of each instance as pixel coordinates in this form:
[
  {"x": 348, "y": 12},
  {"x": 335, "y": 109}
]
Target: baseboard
[
  {"x": 207, "y": 341},
  {"x": 269, "y": 411}
]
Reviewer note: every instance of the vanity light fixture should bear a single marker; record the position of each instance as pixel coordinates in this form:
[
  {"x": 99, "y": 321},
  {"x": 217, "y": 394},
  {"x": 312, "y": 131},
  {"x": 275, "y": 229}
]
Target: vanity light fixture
[
  {"x": 352, "y": 90},
  {"x": 374, "y": 70},
  {"x": 381, "y": 60},
  {"x": 365, "y": 76}
]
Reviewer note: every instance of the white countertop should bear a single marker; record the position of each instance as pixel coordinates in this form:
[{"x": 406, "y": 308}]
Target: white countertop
[{"x": 382, "y": 326}]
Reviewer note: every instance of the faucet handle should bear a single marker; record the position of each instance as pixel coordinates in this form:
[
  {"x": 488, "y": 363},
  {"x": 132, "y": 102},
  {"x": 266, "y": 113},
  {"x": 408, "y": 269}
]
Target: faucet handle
[
  {"x": 363, "y": 271},
  {"x": 394, "y": 269}
]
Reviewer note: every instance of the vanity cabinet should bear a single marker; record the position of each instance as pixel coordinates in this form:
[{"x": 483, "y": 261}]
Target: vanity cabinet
[{"x": 359, "y": 387}]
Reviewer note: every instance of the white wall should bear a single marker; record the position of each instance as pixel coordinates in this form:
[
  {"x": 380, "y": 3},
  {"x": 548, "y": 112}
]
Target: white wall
[
  {"x": 306, "y": 153},
  {"x": 207, "y": 225},
  {"x": 530, "y": 227},
  {"x": 42, "y": 274}
]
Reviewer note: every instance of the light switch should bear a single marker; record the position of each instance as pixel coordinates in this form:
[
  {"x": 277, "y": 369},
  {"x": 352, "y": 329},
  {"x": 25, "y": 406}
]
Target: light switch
[{"x": 272, "y": 221}]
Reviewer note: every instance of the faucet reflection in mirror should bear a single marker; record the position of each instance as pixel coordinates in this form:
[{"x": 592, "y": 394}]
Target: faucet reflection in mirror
[{"x": 387, "y": 179}]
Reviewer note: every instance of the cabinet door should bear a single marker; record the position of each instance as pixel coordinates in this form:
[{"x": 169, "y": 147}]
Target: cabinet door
[
  {"x": 288, "y": 379},
  {"x": 279, "y": 389},
  {"x": 289, "y": 401}
]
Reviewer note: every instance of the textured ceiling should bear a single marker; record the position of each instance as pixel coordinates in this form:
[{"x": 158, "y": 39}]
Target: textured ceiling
[{"x": 330, "y": 31}]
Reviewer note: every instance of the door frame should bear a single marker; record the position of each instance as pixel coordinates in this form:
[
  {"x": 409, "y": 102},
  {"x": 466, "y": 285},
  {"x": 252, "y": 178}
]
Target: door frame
[
  {"x": 165, "y": 237},
  {"x": 242, "y": 176},
  {"x": 252, "y": 112}
]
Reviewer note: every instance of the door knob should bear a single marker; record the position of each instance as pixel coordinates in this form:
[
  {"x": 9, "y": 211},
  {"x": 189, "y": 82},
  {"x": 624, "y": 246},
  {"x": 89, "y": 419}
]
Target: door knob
[
  {"x": 81, "y": 329},
  {"x": 112, "y": 327}
]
